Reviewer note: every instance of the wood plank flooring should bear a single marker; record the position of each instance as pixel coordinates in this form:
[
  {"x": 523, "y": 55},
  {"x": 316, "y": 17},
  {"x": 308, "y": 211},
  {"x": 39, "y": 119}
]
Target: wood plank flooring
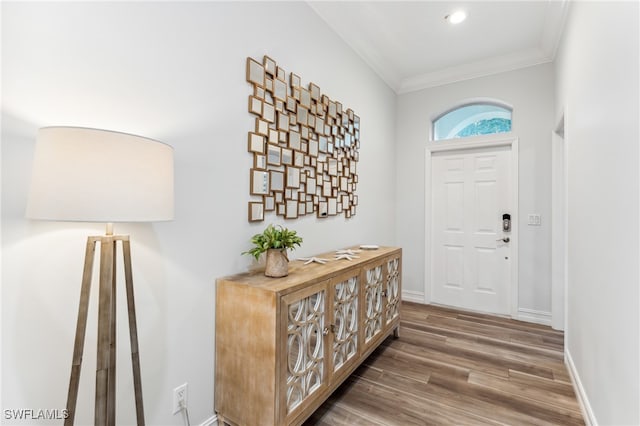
[{"x": 452, "y": 367}]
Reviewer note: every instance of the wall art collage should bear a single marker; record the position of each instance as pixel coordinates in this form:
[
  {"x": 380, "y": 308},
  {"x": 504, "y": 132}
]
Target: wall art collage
[{"x": 304, "y": 147}]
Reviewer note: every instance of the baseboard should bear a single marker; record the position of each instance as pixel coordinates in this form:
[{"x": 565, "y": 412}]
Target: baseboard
[
  {"x": 587, "y": 412},
  {"x": 531, "y": 315},
  {"x": 413, "y": 296},
  {"x": 211, "y": 421}
]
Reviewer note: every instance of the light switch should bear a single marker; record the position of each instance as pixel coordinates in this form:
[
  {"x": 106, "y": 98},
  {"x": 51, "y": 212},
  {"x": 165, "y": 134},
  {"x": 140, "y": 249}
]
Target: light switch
[{"x": 534, "y": 220}]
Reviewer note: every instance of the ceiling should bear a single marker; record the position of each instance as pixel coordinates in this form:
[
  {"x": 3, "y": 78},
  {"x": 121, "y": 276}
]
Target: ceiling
[{"x": 412, "y": 47}]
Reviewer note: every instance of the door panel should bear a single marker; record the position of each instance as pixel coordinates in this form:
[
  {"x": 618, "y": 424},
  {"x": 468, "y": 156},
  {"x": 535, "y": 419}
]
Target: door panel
[
  {"x": 471, "y": 264},
  {"x": 455, "y": 266}
]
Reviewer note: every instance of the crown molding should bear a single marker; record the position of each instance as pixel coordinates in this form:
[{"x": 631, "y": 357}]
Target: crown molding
[{"x": 473, "y": 70}]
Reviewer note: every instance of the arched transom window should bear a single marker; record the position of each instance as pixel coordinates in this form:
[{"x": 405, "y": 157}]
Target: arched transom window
[{"x": 474, "y": 119}]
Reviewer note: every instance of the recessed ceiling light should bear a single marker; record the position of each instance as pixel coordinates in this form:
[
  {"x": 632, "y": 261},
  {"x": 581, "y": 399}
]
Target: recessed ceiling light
[{"x": 456, "y": 17}]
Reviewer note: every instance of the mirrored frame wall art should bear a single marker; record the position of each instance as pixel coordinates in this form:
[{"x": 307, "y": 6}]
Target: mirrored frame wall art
[{"x": 304, "y": 146}]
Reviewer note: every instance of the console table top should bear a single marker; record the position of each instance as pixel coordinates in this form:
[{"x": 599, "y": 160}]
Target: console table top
[{"x": 299, "y": 273}]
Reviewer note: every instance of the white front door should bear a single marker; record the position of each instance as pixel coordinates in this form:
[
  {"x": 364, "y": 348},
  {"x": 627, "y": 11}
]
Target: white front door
[{"x": 471, "y": 263}]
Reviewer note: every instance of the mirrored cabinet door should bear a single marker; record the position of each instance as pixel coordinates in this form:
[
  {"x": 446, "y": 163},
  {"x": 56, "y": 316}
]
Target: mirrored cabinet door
[
  {"x": 373, "y": 310},
  {"x": 305, "y": 352},
  {"x": 392, "y": 289},
  {"x": 345, "y": 312}
]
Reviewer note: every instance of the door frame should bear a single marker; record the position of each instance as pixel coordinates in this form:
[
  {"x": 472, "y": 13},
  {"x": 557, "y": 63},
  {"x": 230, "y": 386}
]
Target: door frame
[
  {"x": 456, "y": 145},
  {"x": 559, "y": 224}
]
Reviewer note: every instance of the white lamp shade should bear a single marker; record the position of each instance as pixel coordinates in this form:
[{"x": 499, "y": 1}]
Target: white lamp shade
[{"x": 92, "y": 175}]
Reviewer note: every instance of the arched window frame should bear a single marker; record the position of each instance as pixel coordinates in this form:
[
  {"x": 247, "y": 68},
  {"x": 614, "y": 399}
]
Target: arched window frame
[{"x": 466, "y": 122}]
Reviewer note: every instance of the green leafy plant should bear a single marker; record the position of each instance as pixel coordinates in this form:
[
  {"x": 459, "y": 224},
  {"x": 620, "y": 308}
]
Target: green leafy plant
[{"x": 273, "y": 237}]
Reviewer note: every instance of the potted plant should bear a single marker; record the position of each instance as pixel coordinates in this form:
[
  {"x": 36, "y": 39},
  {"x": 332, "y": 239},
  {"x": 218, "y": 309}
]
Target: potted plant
[{"x": 275, "y": 241}]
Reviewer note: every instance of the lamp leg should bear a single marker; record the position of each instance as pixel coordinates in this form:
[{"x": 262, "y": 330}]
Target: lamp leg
[
  {"x": 81, "y": 327},
  {"x": 104, "y": 402},
  {"x": 111, "y": 399},
  {"x": 105, "y": 406},
  {"x": 133, "y": 331}
]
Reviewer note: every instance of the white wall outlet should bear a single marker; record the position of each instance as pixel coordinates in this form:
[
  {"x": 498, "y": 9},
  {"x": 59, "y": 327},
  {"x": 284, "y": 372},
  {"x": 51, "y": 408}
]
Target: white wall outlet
[
  {"x": 534, "y": 220},
  {"x": 180, "y": 395}
]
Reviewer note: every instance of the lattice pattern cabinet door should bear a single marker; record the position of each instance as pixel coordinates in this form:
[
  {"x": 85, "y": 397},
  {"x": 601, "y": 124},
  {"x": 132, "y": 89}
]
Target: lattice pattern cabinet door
[
  {"x": 306, "y": 346},
  {"x": 373, "y": 287},
  {"x": 392, "y": 289},
  {"x": 345, "y": 348}
]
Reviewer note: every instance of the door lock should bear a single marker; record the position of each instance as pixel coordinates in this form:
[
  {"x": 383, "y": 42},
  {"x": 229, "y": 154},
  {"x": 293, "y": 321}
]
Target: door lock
[{"x": 506, "y": 222}]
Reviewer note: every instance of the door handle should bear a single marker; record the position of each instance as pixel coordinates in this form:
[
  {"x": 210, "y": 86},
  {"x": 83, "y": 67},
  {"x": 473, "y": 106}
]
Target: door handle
[
  {"x": 330, "y": 329},
  {"x": 504, "y": 239}
]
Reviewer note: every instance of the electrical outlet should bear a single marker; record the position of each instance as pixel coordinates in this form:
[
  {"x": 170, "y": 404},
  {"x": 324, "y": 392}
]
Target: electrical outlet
[
  {"x": 180, "y": 395},
  {"x": 534, "y": 220}
]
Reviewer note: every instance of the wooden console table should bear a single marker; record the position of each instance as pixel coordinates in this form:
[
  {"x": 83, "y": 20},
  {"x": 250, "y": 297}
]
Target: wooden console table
[{"x": 284, "y": 344}]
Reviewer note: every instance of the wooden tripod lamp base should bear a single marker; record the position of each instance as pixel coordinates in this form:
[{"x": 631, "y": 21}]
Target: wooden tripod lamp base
[{"x": 105, "y": 404}]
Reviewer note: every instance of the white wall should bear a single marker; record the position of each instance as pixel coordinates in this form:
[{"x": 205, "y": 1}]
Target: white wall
[
  {"x": 530, "y": 92},
  {"x": 598, "y": 72},
  {"x": 174, "y": 72}
]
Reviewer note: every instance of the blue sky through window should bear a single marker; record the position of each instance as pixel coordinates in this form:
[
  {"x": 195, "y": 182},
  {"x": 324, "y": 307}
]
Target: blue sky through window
[{"x": 472, "y": 120}]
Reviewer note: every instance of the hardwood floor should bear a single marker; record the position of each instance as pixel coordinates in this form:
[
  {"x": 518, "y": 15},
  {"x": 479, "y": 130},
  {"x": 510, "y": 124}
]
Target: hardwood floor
[{"x": 452, "y": 367}]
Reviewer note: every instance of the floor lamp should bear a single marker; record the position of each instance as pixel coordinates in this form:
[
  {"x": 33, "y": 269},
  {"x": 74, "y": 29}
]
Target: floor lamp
[{"x": 92, "y": 175}]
